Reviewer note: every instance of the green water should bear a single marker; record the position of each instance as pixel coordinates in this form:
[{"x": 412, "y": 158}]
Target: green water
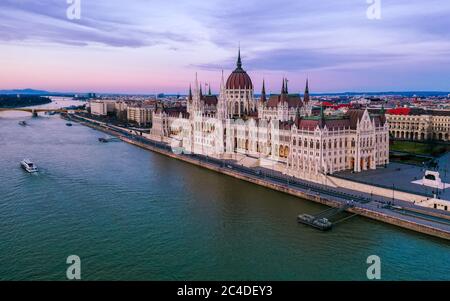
[{"x": 135, "y": 215}]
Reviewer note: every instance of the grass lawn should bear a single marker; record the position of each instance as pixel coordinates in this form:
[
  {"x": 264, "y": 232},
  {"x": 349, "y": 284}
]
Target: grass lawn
[
  {"x": 419, "y": 148},
  {"x": 409, "y": 159}
]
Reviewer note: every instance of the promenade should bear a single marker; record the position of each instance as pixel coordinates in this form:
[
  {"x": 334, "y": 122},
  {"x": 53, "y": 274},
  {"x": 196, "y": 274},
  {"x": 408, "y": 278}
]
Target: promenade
[{"x": 424, "y": 220}]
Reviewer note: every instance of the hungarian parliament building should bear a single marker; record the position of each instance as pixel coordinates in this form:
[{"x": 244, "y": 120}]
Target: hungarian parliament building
[{"x": 281, "y": 132}]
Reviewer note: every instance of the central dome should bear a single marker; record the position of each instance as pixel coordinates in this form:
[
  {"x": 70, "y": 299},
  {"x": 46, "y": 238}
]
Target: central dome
[{"x": 239, "y": 79}]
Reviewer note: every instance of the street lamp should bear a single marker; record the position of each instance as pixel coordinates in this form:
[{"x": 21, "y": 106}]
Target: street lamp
[{"x": 393, "y": 191}]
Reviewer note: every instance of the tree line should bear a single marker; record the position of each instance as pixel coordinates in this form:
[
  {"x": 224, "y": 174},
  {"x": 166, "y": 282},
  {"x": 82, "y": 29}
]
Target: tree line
[{"x": 15, "y": 101}]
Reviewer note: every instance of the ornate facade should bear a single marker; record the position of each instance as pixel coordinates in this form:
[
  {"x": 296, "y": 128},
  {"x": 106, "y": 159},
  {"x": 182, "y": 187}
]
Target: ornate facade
[
  {"x": 419, "y": 124},
  {"x": 277, "y": 131}
]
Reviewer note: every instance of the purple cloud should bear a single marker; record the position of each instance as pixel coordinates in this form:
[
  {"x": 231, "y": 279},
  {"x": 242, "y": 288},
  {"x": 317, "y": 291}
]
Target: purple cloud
[{"x": 47, "y": 21}]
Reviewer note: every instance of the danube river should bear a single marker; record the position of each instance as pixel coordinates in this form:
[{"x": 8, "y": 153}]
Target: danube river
[{"x": 135, "y": 215}]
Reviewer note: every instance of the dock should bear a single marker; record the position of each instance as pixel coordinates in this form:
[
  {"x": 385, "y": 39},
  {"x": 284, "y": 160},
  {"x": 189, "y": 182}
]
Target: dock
[{"x": 325, "y": 220}]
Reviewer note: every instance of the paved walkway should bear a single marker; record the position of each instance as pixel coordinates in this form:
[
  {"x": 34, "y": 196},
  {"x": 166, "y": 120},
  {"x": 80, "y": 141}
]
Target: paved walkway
[{"x": 402, "y": 175}]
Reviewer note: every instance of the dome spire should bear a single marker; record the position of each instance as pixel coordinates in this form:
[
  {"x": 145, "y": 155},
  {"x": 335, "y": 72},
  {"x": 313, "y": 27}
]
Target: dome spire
[
  {"x": 239, "y": 61},
  {"x": 239, "y": 79}
]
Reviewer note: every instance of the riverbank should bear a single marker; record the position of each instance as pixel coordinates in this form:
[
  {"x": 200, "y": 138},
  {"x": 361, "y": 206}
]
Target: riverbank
[{"x": 363, "y": 205}]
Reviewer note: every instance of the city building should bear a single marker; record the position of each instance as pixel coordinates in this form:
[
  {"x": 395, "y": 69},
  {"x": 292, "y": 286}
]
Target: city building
[
  {"x": 120, "y": 110},
  {"x": 102, "y": 107},
  {"x": 419, "y": 124},
  {"x": 140, "y": 114},
  {"x": 279, "y": 132}
]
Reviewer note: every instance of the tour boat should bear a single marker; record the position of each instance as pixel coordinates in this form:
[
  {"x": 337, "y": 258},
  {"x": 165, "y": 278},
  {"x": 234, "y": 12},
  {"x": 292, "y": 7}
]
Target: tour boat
[{"x": 28, "y": 165}]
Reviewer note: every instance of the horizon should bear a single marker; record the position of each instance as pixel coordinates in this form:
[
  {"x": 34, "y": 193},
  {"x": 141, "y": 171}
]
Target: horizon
[{"x": 147, "y": 49}]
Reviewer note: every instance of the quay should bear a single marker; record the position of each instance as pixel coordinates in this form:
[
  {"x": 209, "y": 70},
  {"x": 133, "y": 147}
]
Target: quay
[{"x": 364, "y": 204}]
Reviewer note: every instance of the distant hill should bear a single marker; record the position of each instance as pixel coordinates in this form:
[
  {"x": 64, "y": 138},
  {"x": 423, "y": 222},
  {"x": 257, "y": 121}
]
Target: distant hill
[
  {"x": 25, "y": 92},
  {"x": 34, "y": 92}
]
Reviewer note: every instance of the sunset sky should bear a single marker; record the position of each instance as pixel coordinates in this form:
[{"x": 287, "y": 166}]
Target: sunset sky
[{"x": 150, "y": 46}]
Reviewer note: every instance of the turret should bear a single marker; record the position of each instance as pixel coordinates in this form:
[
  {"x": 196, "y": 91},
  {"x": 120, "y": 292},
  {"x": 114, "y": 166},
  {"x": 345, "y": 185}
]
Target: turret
[
  {"x": 263, "y": 98},
  {"x": 306, "y": 95},
  {"x": 190, "y": 93}
]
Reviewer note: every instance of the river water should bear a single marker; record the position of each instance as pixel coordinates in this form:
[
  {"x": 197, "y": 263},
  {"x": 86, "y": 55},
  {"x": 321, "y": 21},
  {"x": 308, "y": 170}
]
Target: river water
[{"x": 135, "y": 215}]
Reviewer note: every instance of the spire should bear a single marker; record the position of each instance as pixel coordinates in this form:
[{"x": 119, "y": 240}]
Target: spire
[
  {"x": 283, "y": 89},
  {"x": 322, "y": 116},
  {"x": 383, "y": 115},
  {"x": 196, "y": 84},
  {"x": 190, "y": 93},
  {"x": 239, "y": 62},
  {"x": 306, "y": 95},
  {"x": 201, "y": 93},
  {"x": 222, "y": 82},
  {"x": 286, "y": 87},
  {"x": 263, "y": 92},
  {"x": 209, "y": 90}
]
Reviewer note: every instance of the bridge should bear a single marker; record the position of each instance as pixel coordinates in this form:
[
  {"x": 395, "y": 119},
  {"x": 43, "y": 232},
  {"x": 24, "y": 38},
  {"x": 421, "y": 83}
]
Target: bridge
[{"x": 35, "y": 111}]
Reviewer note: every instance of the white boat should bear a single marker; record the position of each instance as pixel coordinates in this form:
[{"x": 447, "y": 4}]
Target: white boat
[{"x": 28, "y": 165}]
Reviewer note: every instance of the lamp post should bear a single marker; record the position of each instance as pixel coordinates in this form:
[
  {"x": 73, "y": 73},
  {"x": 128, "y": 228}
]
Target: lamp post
[{"x": 393, "y": 191}]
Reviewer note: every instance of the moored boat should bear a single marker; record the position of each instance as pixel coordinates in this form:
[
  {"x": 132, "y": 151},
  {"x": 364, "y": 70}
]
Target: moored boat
[{"x": 318, "y": 223}]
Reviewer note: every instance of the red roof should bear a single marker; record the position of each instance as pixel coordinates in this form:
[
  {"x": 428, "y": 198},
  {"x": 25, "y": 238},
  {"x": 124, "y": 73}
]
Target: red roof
[
  {"x": 399, "y": 111},
  {"x": 342, "y": 105},
  {"x": 239, "y": 79},
  {"x": 292, "y": 100}
]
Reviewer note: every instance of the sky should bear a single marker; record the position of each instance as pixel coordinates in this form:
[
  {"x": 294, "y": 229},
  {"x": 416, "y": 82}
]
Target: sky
[{"x": 153, "y": 46}]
